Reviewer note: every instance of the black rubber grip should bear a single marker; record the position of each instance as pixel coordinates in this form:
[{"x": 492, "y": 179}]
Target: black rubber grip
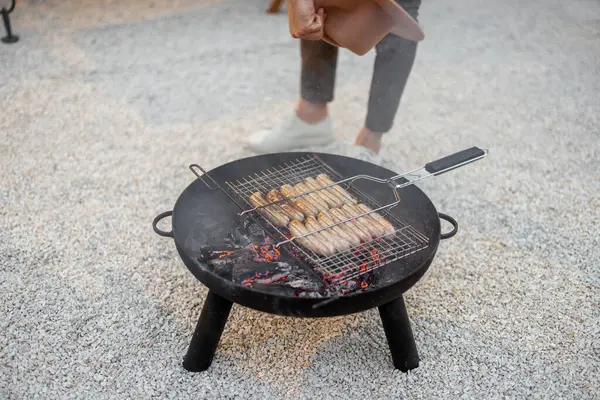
[{"x": 454, "y": 160}]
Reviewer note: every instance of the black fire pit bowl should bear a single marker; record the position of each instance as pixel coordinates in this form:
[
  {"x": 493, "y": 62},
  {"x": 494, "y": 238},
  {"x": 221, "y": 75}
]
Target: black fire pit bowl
[{"x": 204, "y": 214}]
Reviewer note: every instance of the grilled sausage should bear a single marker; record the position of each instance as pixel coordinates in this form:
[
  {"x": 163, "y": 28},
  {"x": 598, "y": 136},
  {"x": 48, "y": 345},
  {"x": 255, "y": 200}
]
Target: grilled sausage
[
  {"x": 331, "y": 192},
  {"x": 352, "y": 213},
  {"x": 385, "y": 224},
  {"x": 339, "y": 216},
  {"x": 341, "y": 230},
  {"x": 331, "y": 199},
  {"x": 326, "y": 234},
  {"x": 309, "y": 243},
  {"x": 312, "y": 197},
  {"x": 301, "y": 204},
  {"x": 372, "y": 227},
  {"x": 298, "y": 230},
  {"x": 290, "y": 210},
  {"x": 272, "y": 213},
  {"x": 325, "y": 180}
]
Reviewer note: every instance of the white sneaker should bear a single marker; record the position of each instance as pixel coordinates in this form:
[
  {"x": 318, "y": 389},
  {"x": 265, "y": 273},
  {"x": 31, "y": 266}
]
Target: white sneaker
[{"x": 293, "y": 133}]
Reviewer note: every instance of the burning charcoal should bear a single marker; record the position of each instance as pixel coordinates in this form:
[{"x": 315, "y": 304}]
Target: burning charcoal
[
  {"x": 246, "y": 232},
  {"x": 266, "y": 252},
  {"x": 275, "y": 278},
  {"x": 251, "y": 253},
  {"x": 308, "y": 293},
  {"x": 222, "y": 252},
  {"x": 246, "y": 273},
  {"x": 204, "y": 255},
  {"x": 248, "y": 257}
]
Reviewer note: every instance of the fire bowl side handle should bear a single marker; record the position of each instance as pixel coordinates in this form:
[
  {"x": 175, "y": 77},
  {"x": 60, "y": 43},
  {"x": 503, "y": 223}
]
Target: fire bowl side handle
[
  {"x": 448, "y": 218},
  {"x": 157, "y": 219}
]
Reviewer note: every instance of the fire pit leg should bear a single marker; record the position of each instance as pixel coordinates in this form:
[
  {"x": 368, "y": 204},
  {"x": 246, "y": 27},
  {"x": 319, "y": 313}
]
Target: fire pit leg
[
  {"x": 207, "y": 334},
  {"x": 399, "y": 335}
]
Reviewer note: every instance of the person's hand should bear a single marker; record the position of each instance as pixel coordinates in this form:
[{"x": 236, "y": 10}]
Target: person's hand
[{"x": 304, "y": 21}]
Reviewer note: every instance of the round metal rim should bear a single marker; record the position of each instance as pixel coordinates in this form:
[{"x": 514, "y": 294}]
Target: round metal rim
[{"x": 302, "y": 306}]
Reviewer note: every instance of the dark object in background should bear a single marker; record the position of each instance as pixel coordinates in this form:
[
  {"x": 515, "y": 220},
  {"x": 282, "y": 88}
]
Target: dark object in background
[{"x": 9, "y": 38}]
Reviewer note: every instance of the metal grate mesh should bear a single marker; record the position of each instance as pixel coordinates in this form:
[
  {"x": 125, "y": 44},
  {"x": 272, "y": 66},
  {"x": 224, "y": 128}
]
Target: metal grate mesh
[{"x": 347, "y": 264}]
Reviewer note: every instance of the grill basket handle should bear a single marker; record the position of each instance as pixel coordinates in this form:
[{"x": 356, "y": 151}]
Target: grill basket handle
[
  {"x": 157, "y": 219},
  {"x": 454, "y": 161},
  {"x": 448, "y": 218}
]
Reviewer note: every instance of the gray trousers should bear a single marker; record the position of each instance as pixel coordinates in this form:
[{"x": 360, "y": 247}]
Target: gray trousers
[{"x": 393, "y": 63}]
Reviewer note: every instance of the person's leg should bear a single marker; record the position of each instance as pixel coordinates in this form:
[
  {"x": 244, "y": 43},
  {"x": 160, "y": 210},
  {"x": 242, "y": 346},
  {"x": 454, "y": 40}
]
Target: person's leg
[
  {"x": 309, "y": 125},
  {"x": 317, "y": 79},
  {"x": 393, "y": 64}
]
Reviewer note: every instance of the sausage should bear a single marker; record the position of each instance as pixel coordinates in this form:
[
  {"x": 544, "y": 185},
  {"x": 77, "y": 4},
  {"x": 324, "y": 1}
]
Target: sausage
[
  {"x": 301, "y": 204},
  {"x": 298, "y": 230},
  {"x": 312, "y": 224},
  {"x": 326, "y": 234},
  {"x": 299, "y": 189},
  {"x": 339, "y": 198},
  {"x": 372, "y": 227},
  {"x": 341, "y": 230},
  {"x": 353, "y": 220},
  {"x": 290, "y": 210},
  {"x": 272, "y": 213},
  {"x": 357, "y": 228},
  {"x": 312, "y": 197},
  {"x": 387, "y": 226},
  {"x": 332, "y": 193},
  {"x": 377, "y": 219},
  {"x": 339, "y": 216},
  {"x": 331, "y": 199},
  {"x": 306, "y": 242},
  {"x": 325, "y": 180}
]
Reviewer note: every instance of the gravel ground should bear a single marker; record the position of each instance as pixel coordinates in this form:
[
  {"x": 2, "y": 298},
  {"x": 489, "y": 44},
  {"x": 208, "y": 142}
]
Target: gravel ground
[{"x": 103, "y": 107}]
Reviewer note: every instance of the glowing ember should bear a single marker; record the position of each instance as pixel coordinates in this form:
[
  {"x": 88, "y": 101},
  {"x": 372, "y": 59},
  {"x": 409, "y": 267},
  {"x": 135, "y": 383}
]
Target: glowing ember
[
  {"x": 375, "y": 254},
  {"x": 264, "y": 278},
  {"x": 252, "y": 252},
  {"x": 267, "y": 253}
]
